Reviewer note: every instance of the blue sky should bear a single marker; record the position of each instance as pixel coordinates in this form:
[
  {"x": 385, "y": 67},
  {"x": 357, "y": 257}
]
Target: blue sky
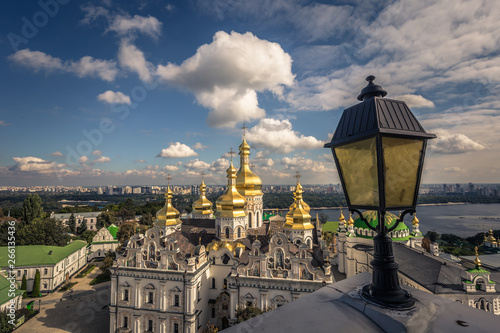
[{"x": 124, "y": 92}]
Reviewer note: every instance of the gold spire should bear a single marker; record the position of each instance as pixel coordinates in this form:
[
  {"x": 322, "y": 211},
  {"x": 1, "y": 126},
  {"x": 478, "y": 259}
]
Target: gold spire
[
  {"x": 168, "y": 215},
  {"x": 350, "y": 221},
  {"x": 231, "y": 203},
  {"x": 415, "y": 220},
  {"x": 202, "y": 205},
  {"x": 341, "y": 217},
  {"x": 298, "y": 217},
  {"x": 477, "y": 261},
  {"x": 247, "y": 183}
]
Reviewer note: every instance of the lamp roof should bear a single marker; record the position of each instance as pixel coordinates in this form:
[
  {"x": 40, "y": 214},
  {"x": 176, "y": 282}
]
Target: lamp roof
[{"x": 377, "y": 115}]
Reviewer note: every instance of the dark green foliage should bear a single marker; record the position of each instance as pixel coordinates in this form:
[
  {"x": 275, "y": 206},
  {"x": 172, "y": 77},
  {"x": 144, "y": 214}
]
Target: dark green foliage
[
  {"x": 5, "y": 327},
  {"x": 32, "y": 208},
  {"x": 72, "y": 223},
  {"x": 432, "y": 235},
  {"x": 46, "y": 231},
  {"x": 83, "y": 227},
  {"x": 248, "y": 312},
  {"x": 24, "y": 286},
  {"x": 36, "y": 284},
  {"x": 125, "y": 232},
  {"x": 105, "y": 219},
  {"x": 87, "y": 235},
  {"x": 107, "y": 263},
  {"x": 147, "y": 219},
  {"x": 323, "y": 218}
]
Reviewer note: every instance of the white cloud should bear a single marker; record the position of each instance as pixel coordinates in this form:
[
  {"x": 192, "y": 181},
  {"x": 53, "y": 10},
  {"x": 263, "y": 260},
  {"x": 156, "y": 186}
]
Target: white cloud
[
  {"x": 415, "y": 101},
  {"x": 3, "y": 123},
  {"x": 196, "y": 165},
  {"x": 226, "y": 75},
  {"x": 219, "y": 165},
  {"x": 35, "y": 165},
  {"x": 85, "y": 67},
  {"x": 170, "y": 168},
  {"x": 125, "y": 24},
  {"x": 131, "y": 58},
  {"x": 199, "y": 145},
  {"x": 453, "y": 143},
  {"x": 279, "y": 136},
  {"x": 57, "y": 153},
  {"x": 303, "y": 164},
  {"x": 102, "y": 159},
  {"x": 112, "y": 97},
  {"x": 83, "y": 159},
  {"x": 97, "y": 153},
  {"x": 140, "y": 161},
  {"x": 177, "y": 150}
]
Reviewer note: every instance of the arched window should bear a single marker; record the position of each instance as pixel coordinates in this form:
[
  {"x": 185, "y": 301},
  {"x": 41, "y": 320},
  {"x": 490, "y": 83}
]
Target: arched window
[
  {"x": 227, "y": 232},
  {"x": 151, "y": 251},
  {"x": 250, "y": 220},
  {"x": 239, "y": 232},
  {"x": 213, "y": 284},
  {"x": 279, "y": 257},
  {"x": 308, "y": 242}
]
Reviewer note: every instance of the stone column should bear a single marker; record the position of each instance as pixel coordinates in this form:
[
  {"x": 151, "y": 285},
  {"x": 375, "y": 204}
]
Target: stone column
[
  {"x": 112, "y": 322},
  {"x": 263, "y": 300},
  {"x": 163, "y": 297},
  {"x": 137, "y": 324},
  {"x": 137, "y": 293},
  {"x": 163, "y": 325},
  {"x": 233, "y": 303},
  {"x": 114, "y": 289}
]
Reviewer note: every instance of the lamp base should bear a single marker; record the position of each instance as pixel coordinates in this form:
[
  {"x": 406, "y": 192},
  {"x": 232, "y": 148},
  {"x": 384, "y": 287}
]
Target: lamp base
[{"x": 400, "y": 300}]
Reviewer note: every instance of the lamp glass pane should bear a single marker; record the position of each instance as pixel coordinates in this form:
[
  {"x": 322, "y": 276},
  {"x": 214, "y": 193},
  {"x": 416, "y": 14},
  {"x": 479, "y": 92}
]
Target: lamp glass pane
[
  {"x": 401, "y": 161},
  {"x": 358, "y": 164}
]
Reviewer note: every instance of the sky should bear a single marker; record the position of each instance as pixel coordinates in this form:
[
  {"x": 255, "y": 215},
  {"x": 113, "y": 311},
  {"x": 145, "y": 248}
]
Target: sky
[{"x": 125, "y": 92}]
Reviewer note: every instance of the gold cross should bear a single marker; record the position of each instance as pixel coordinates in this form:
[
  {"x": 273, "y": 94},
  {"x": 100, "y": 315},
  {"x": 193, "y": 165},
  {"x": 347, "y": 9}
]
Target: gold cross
[
  {"x": 297, "y": 175},
  {"x": 202, "y": 175},
  {"x": 231, "y": 153},
  {"x": 168, "y": 179},
  {"x": 244, "y": 129}
]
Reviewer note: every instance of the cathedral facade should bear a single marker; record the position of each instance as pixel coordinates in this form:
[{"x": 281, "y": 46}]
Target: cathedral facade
[{"x": 184, "y": 274}]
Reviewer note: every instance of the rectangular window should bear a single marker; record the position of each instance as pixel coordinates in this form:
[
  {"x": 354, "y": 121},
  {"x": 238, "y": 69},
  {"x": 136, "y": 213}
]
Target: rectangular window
[
  {"x": 150, "y": 297},
  {"x": 176, "y": 328},
  {"x": 26, "y": 273},
  {"x": 125, "y": 295},
  {"x": 18, "y": 272},
  {"x": 125, "y": 322},
  {"x": 176, "y": 300},
  {"x": 45, "y": 271},
  {"x": 150, "y": 326}
]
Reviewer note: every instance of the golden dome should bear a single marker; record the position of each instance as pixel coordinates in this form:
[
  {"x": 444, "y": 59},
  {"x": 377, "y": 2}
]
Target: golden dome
[
  {"x": 202, "y": 205},
  {"x": 415, "y": 220},
  {"x": 231, "y": 203},
  {"x": 231, "y": 246},
  {"x": 168, "y": 215},
  {"x": 341, "y": 217},
  {"x": 298, "y": 217},
  {"x": 491, "y": 238},
  {"x": 247, "y": 182},
  {"x": 350, "y": 221}
]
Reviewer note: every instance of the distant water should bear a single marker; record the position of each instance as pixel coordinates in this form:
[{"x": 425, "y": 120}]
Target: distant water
[{"x": 461, "y": 220}]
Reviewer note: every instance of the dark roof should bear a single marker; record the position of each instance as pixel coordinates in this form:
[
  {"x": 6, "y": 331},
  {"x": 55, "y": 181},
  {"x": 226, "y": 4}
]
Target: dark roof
[
  {"x": 436, "y": 275},
  {"x": 377, "y": 115}
]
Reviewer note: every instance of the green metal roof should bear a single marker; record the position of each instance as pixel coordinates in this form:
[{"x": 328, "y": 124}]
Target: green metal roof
[
  {"x": 4, "y": 290},
  {"x": 113, "y": 230},
  {"x": 35, "y": 255}
]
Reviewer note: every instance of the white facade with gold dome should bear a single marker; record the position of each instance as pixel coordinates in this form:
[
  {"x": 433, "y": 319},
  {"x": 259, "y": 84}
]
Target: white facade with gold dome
[
  {"x": 249, "y": 185},
  {"x": 167, "y": 218},
  {"x": 231, "y": 219},
  {"x": 298, "y": 227}
]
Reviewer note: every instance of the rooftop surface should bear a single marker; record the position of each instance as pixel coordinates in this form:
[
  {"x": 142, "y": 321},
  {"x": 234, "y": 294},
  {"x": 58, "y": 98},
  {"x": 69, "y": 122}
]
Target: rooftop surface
[
  {"x": 338, "y": 307},
  {"x": 35, "y": 255}
]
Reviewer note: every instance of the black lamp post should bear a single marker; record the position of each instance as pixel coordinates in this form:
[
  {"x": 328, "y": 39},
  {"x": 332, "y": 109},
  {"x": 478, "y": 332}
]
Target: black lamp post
[{"x": 379, "y": 149}]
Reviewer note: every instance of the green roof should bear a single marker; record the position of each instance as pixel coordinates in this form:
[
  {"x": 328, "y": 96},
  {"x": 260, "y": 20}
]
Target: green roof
[
  {"x": 35, "y": 255},
  {"x": 113, "y": 230},
  {"x": 4, "y": 290},
  {"x": 330, "y": 226},
  {"x": 372, "y": 218},
  {"x": 476, "y": 270}
]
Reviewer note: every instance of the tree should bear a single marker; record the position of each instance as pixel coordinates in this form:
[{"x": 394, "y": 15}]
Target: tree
[
  {"x": 126, "y": 214},
  {"x": 125, "y": 232},
  {"x": 5, "y": 326},
  {"x": 147, "y": 219},
  {"x": 24, "y": 286},
  {"x": 88, "y": 235},
  {"x": 36, "y": 284},
  {"x": 46, "y": 231},
  {"x": 105, "y": 219},
  {"x": 248, "y": 312},
  {"x": 1, "y": 213},
  {"x": 323, "y": 218},
  {"x": 107, "y": 263},
  {"x": 72, "y": 223},
  {"x": 32, "y": 208},
  {"x": 83, "y": 227},
  {"x": 432, "y": 235}
]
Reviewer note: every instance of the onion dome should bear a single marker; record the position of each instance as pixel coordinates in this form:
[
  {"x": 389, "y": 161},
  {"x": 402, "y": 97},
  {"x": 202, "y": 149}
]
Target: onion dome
[
  {"x": 491, "y": 238},
  {"x": 415, "y": 221},
  {"x": 298, "y": 217},
  {"x": 231, "y": 203},
  {"x": 341, "y": 217},
  {"x": 168, "y": 215},
  {"x": 350, "y": 221},
  {"x": 477, "y": 261},
  {"x": 202, "y": 205},
  {"x": 247, "y": 182}
]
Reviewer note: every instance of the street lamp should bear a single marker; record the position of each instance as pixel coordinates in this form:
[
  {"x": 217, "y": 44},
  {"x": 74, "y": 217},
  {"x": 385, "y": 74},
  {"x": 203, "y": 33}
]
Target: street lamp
[{"x": 379, "y": 149}]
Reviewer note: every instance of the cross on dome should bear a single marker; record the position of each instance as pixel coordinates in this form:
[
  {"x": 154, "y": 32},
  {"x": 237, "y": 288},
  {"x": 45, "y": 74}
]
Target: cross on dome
[
  {"x": 244, "y": 128},
  {"x": 168, "y": 178},
  {"x": 231, "y": 153}
]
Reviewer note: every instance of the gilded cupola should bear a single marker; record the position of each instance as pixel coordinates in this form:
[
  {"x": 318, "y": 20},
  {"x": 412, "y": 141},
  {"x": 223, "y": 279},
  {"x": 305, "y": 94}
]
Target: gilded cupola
[
  {"x": 202, "y": 205},
  {"x": 231, "y": 203},
  {"x": 168, "y": 215},
  {"x": 247, "y": 182},
  {"x": 298, "y": 217}
]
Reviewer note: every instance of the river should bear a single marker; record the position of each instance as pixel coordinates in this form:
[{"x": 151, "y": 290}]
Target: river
[{"x": 461, "y": 220}]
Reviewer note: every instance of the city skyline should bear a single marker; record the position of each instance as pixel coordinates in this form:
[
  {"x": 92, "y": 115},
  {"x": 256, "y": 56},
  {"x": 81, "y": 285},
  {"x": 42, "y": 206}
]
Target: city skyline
[{"x": 105, "y": 92}]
